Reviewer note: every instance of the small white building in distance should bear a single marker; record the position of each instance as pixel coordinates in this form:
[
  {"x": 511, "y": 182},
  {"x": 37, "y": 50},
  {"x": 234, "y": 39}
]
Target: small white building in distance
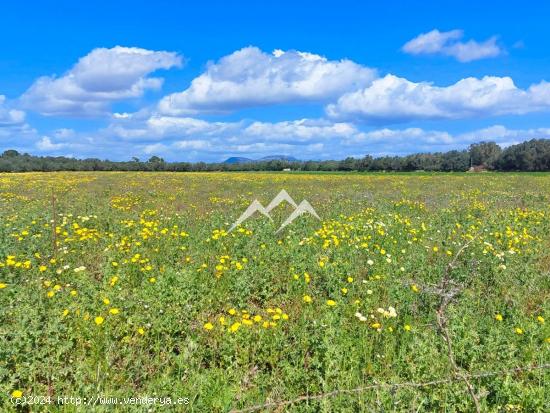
[{"x": 287, "y": 169}]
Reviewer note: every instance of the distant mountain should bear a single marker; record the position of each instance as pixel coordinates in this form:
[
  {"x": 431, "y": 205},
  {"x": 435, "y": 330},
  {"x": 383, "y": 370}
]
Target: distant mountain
[
  {"x": 278, "y": 158},
  {"x": 238, "y": 159}
]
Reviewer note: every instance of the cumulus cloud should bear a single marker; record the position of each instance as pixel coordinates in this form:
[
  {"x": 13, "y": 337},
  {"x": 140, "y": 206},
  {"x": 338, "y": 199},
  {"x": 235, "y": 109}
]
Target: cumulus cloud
[
  {"x": 13, "y": 128},
  {"x": 98, "y": 79},
  {"x": 47, "y": 145},
  {"x": 193, "y": 139},
  {"x": 250, "y": 77},
  {"x": 388, "y": 141},
  {"x": 166, "y": 127},
  {"x": 449, "y": 44},
  {"x": 170, "y": 128},
  {"x": 418, "y": 135},
  {"x": 394, "y": 99},
  {"x": 10, "y": 117},
  {"x": 330, "y": 141},
  {"x": 300, "y": 130}
]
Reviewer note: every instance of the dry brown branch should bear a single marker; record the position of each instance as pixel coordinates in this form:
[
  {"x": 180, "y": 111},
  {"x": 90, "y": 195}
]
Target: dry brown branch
[
  {"x": 282, "y": 403},
  {"x": 447, "y": 292}
]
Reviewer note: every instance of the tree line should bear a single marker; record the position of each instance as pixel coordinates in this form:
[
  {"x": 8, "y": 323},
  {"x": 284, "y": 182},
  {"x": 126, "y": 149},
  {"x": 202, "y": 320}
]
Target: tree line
[{"x": 533, "y": 155}]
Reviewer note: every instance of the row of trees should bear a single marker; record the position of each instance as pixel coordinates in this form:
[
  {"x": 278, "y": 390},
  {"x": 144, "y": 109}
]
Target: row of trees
[{"x": 533, "y": 155}]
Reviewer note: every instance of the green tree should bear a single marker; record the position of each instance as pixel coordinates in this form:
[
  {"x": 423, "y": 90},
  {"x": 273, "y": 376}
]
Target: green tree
[{"x": 484, "y": 154}]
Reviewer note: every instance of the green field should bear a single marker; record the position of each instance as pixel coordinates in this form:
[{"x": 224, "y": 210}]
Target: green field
[{"x": 414, "y": 293}]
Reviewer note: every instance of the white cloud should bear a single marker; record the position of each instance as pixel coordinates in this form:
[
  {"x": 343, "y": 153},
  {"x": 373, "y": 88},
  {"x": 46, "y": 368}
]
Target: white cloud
[
  {"x": 449, "y": 44},
  {"x": 160, "y": 127},
  {"x": 386, "y": 141},
  {"x": 45, "y": 144},
  {"x": 98, "y": 79},
  {"x": 300, "y": 130},
  {"x": 503, "y": 135},
  {"x": 194, "y": 144},
  {"x": 10, "y": 117},
  {"x": 409, "y": 134},
  {"x": 173, "y": 128},
  {"x": 14, "y": 130},
  {"x": 168, "y": 125},
  {"x": 394, "y": 99},
  {"x": 189, "y": 139},
  {"x": 250, "y": 77}
]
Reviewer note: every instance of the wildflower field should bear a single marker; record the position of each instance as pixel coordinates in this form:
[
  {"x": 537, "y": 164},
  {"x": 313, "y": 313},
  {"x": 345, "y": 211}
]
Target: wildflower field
[{"x": 129, "y": 284}]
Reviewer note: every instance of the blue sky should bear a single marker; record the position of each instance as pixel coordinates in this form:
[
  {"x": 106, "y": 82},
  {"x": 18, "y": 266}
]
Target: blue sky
[{"x": 315, "y": 80}]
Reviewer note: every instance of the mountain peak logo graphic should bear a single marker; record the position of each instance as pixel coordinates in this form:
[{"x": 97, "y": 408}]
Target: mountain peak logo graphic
[
  {"x": 281, "y": 196},
  {"x": 303, "y": 208}
]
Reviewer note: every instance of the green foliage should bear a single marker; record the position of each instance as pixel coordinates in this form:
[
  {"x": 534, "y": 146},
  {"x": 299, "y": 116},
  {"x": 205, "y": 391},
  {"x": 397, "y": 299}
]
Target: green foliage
[
  {"x": 155, "y": 247},
  {"x": 484, "y": 153}
]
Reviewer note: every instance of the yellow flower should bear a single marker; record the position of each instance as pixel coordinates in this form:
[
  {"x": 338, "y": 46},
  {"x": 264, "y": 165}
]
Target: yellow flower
[
  {"x": 232, "y": 311},
  {"x": 152, "y": 280},
  {"x": 3, "y": 285},
  {"x": 50, "y": 294},
  {"x": 114, "y": 311},
  {"x": 208, "y": 326},
  {"x": 307, "y": 299},
  {"x": 99, "y": 320},
  {"x": 350, "y": 279},
  {"x": 376, "y": 325},
  {"x": 498, "y": 317},
  {"x": 407, "y": 327},
  {"x": 331, "y": 303},
  {"x": 540, "y": 319},
  {"x": 106, "y": 301},
  {"x": 518, "y": 330},
  {"x": 257, "y": 318},
  {"x": 141, "y": 331},
  {"x": 435, "y": 249},
  {"x": 42, "y": 268},
  {"x": 65, "y": 313},
  {"x": 414, "y": 288},
  {"x": 234, "y": 327},
  {"x": 73, "y": 293},
  {"x": 344, "y": 291},
  {"x": 16, "y": 394}
]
